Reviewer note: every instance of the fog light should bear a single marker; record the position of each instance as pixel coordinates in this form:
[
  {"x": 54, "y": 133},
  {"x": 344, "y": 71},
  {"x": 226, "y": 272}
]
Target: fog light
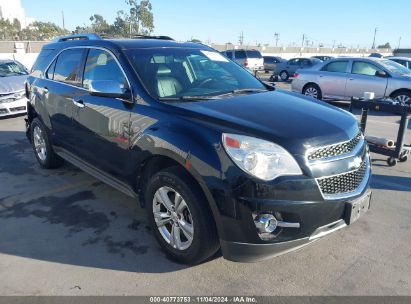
[{"x": 265, "y": 223}]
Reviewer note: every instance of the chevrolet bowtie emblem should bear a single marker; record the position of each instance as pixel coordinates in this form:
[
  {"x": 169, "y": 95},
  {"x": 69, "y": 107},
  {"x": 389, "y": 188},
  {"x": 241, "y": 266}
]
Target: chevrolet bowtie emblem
[{"x": 355, "y": 163}]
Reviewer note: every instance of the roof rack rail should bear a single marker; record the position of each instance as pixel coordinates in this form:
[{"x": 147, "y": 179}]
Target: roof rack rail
[
  {"x": 77, "y": 37},
  {"x": 152, "y": 37}
]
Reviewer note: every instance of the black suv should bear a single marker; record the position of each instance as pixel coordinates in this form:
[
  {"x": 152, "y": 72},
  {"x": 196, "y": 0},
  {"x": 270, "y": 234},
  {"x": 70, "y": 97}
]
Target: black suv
[{"x": 218, "y": 158}]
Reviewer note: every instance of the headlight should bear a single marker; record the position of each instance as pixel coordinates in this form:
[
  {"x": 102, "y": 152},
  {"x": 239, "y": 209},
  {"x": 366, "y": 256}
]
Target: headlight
[{"x": 260, "y": 158}]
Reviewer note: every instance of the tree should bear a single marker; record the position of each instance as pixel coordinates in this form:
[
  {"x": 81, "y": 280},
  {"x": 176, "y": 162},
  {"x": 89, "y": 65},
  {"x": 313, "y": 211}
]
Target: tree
[
  {"x": 384, "y": 46},
  {"x": 99, "y": 25},
  {"x": 140, "y": 17}
]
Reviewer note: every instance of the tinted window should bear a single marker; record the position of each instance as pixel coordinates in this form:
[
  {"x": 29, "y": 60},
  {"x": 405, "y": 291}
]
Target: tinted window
[
  {"x": 101, "y": 65},
  {"x": 293, "y": 61},
  {"x": 240, "y": 55},
  {"x": 336, "y": 66},
  {"x": 68, "y": 66},
  {"x": 229, "y": 54},
  {"x": 254, "y": 54},
  {"x": 50, "y": 71},
  {"x": 364, "y": 68},
  {"x": 269, "y": 60}
]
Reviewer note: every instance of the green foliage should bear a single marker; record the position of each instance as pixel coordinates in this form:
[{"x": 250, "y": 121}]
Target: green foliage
[
  {"x": 35, "y": 31},
  {"x": 138, "y": 20},
  {"x": 384, "y": 46}
]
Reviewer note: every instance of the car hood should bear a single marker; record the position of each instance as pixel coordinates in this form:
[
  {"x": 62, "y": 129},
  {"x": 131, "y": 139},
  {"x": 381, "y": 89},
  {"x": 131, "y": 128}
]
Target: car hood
[
  {"x": 12, "y": 83},
  {"x": 290, "y": 120}
]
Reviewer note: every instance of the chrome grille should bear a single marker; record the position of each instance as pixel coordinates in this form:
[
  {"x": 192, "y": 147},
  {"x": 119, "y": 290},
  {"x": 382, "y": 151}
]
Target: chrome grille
[
  {"x": 343, "y": 183},
  {"x": 335, "y": 150}
]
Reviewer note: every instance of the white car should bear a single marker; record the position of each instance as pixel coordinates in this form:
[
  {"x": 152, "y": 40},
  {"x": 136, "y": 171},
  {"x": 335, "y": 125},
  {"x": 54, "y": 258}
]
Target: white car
[
  {"x": 252, "y": 60},
  {"x": 12, "y": 93}
]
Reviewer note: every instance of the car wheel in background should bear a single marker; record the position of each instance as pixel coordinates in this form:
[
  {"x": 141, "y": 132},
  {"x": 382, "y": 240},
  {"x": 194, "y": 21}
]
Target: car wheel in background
[
  {"x": 43, "y": 150},
  {"x": 403, "y": 97},
  {"x": 180, "y": 217},
  {"x": 312, "y": 90},
  {"x": 284, "y": 75}
]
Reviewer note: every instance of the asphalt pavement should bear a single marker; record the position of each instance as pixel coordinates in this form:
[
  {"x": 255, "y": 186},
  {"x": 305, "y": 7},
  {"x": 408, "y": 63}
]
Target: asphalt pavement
[{"x": 65, "y": 233}]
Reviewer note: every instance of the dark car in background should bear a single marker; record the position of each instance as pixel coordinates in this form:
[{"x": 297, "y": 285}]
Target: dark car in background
[
  {"x": 323, "y": 57},
  {"x": 217, "y": 158},
  {"x": 270, "y": 62},
  {"x": 12, "y": 95},
  {"x": 286, "y": 69}
]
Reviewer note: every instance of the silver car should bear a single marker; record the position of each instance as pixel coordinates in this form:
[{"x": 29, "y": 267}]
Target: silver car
[
  {"x": 12, "y": 94},
  {"x": 287, "y": 69},
  {"x": 343, "y": 78}
]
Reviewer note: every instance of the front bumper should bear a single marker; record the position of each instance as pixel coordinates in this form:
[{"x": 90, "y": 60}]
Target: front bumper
[
  {"x": 311, "y": 216},
  {"x": 14, "y": 107}
]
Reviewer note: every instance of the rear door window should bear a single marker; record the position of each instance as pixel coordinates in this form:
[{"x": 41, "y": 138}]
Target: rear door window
[
  {"x": 68, "y": 66},
  {"x": 101, "y": 65},
  {"x": 336, "y": 66}
]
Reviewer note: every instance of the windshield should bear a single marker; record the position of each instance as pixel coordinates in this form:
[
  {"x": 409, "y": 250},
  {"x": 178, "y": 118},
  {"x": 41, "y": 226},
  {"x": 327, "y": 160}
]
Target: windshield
[
  {"x": 190, "y": 73},
  {"x": 11, "y": 68},
  {"x": 394, "y": 67}
]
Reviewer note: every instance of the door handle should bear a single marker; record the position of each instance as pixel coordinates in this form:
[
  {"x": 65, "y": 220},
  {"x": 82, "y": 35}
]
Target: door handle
[
  {"x": 78, "y": 102},
  {"x": 351, "y": 79}
]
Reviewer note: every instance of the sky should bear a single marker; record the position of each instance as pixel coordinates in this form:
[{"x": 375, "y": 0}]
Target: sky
[{"x": 347, "y": 22}]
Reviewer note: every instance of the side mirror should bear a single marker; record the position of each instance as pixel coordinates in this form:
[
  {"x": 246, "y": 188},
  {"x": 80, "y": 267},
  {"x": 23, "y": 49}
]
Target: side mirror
[
  {"x": 110, "y": 89},
  {"x": 381, "y": 74}
]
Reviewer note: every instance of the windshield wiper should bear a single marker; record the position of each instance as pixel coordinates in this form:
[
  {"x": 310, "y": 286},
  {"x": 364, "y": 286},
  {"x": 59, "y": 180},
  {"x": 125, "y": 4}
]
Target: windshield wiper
[
  {"x": 248, "y": 90},
  {"x": 242, "y": 91},
  {"x": 187, "y": 97}
]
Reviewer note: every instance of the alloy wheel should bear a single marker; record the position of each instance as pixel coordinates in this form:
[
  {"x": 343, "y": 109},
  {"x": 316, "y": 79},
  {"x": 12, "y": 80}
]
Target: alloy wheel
[
  {"x": 311, "y": 91},
  {"x": 39, "y": 143},
  {"x": 283, "y": 76},
  {"x": 173, "y": 218},
  {"x": 403, "y": 99}
]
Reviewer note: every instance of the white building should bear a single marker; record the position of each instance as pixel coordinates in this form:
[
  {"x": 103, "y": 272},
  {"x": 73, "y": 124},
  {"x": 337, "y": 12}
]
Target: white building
[{"x": 12, "y": 9}]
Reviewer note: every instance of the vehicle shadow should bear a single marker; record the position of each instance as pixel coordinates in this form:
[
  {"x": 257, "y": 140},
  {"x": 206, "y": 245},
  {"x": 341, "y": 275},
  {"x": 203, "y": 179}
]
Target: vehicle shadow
[
  {"x": 66, "y": 216},
  {"x": 388, "y": 182}
]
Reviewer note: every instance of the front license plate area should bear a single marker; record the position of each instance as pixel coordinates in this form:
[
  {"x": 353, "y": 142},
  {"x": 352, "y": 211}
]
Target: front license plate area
[{"x": 356, "y": 208}]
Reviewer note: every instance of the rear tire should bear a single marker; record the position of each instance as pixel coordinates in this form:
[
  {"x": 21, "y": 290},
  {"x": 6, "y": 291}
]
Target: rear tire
[
  {"x": 403, "y": 97},
  {"x": 284, "y": 75},
  {"x": 313, "y": 91},
  {"x": 174, "y": 201},
  {"x": 42, "y": 148}
]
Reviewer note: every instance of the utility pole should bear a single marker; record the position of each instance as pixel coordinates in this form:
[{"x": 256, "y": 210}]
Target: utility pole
[
  {"x": 399, "y": 43},
  {"x": 62, "y": 16},
  {"x": 241, "y": 38},
  {"x": 302, "y": 42},
  {"x": 375, "y": 34},
  {"x": 277, "y": 37}
]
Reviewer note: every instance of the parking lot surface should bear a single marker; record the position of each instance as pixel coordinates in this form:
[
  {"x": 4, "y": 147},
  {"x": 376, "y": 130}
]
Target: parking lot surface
[{"x": 65, "y": 233}]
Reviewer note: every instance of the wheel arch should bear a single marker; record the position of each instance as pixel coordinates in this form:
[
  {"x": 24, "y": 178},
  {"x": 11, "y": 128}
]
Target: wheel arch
[{"x": 399, "y": 91}]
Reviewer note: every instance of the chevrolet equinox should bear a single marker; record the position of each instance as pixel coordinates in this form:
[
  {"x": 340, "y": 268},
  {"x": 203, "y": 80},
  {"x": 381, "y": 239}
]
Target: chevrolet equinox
[{"x": 218, "y": 158}]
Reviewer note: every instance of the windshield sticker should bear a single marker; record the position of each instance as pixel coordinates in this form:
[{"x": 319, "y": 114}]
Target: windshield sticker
[{"x": 214, "y": 56}]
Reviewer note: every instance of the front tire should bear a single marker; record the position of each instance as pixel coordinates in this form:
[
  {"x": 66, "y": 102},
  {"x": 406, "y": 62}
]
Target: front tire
[
  {"x": 180, "y": 217},
  {"x": 313, "y": 91},
  {"x": 42, "y": 148}
]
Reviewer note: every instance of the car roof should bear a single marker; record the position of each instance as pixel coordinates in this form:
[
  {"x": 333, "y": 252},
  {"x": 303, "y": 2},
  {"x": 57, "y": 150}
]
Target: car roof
[
  {"x": 398, "y": 57},
  {"x": 124, "y": 44}
]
